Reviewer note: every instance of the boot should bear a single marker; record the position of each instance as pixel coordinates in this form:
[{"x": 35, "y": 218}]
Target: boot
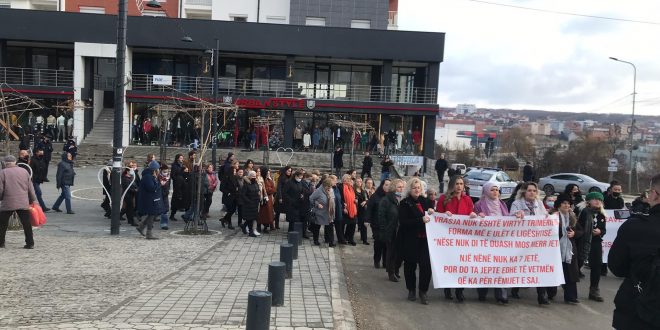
[
  {"x": 594, "y": 294},
  {"x": 411, "y": 295},
  {"x": 392, "y": 278},
  {"x": 459, "y": 296},
  {"x": 448, "y": 295},
  {"x": 140, "y": 228},
  {"x": 150, "y": 235},
  {"x": 423, "y": 298}
]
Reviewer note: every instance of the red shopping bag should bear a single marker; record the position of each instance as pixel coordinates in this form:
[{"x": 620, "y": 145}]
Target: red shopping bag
[{"x": 38, "y": 217}]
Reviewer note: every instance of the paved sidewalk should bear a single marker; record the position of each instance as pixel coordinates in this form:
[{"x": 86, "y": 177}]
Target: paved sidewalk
[{"x": 80, "y": 277}]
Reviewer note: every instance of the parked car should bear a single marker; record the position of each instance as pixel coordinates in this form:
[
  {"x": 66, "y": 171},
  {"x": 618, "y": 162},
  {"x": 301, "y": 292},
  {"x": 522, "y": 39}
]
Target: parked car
[
  {"x": 557, "y": 183},
  {"x": 476, "y": 178},
  {"x": 457, "y": 169}
]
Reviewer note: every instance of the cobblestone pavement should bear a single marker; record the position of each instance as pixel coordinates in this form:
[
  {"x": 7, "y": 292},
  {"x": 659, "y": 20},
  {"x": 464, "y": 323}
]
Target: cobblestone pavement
[{"x": 80, "y": 277}]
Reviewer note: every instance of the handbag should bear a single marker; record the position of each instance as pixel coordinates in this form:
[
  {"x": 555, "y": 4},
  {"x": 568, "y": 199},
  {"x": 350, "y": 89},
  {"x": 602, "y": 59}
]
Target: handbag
[{"x": 37, "y": 215}]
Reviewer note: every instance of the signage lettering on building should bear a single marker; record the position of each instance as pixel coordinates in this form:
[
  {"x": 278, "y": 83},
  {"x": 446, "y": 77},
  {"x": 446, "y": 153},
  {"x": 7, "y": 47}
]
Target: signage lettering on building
[
  {"x": 272, "y": 103},
  {"x": 162, "y": 80}
]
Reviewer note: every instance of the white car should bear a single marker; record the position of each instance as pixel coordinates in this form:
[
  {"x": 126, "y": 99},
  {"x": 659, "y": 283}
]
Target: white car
[{"x": 476, "y": 178}]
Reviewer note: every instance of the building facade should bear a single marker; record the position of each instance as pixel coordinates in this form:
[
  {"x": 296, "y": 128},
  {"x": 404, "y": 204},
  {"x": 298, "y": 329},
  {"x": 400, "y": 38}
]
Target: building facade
[{"x": 337, "y": 74}]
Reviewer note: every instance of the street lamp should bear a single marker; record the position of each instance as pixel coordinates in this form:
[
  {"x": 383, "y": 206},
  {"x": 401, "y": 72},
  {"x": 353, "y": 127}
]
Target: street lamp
[{"x": 632, "y": 119}]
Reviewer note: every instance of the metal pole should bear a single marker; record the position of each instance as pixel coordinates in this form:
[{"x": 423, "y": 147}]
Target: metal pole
[
  {"x": 214, "y": 125},
  {"x": 632, "y": 122},
  {"x": 120, "y": 98}
]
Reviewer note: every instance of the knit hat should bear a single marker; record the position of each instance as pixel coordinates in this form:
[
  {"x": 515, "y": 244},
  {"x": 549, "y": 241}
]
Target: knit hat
[
  {"x": 562, "y": 198},
  {"x": 595, "y": 195},
  {"x": 153, "y": 165}
]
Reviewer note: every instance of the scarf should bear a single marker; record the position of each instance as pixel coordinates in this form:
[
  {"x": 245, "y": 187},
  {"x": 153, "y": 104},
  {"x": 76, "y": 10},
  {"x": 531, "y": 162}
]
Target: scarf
[
  {"x": 531, "y": 206},
  {"x": 349, "y": 200},
  {"x": 565, "y": 245},
  {"x": 331, "y": 203}
]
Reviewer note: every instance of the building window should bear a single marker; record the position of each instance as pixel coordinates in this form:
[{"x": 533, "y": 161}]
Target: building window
[
  {"x": 315, "y": 21},
  {"x": 5, "y": 4},
  {"x": 361, "y": 24},
  {"x": 154, "y": 13},
  {"x": 92, "y": 10},
  {"x": 276, "y": 19},
  {"x": 238, "y": 18}
]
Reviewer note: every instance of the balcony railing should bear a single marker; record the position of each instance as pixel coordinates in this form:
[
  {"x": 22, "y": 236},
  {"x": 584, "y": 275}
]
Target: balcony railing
[
  {"x": 36, "y": 77},
  {"x": 199, "y": 2},
  {"x": 282, "y": 88}
]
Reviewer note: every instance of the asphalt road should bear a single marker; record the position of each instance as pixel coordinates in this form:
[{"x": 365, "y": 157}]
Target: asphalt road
[{"x": 381, "y": 304}]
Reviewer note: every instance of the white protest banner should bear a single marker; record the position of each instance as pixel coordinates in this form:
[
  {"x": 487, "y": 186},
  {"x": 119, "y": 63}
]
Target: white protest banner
[
  {"x": 612, "y": 225},
  {"x": 494, "y": 251}
]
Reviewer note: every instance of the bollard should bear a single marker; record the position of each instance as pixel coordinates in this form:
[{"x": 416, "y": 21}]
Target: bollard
[
  {"x": 298, "y": 226},
  {"x": 258, "y": 312},
  {"x": 293, "y": 240},
  {"x": 286, "y": 256},
  {"x": 276, "y": 283}
]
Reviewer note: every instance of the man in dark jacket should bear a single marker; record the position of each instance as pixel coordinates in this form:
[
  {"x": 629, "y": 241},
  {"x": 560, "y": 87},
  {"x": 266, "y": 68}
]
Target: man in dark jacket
[
  {"x": 64, "y": 180},
  {"x": 372, "y": 218},
  {"x": 338, "y": 160},
  {"x": 441, "y": 166},
  {"x": 367, "y": 164},
  {"x": 613, "y": 201},
  {"x": 528, "y": 172},
  {"x": 38, "y": 166},
  {"x": 632, "y": 252}
]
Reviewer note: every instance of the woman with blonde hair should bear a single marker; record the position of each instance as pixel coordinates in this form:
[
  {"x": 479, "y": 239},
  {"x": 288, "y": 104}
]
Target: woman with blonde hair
[
  {"x": 414, "y": 214},
  {"x": 455, "y": 201}
]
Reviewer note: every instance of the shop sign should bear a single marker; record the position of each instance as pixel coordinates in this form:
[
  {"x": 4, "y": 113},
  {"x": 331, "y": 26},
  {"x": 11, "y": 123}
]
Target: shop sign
[
  {"x": 162, "y": 80},
  {"x": 272, "y": 103}
]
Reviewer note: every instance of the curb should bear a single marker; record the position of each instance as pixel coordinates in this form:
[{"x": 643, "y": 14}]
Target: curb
[{"x": 342, "y": 312}]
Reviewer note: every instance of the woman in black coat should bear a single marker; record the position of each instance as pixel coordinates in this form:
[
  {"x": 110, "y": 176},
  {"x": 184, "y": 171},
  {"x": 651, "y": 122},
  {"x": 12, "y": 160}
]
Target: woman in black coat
[
  {"x": 413, "y": 218},
  {"x": 294, "y": 199},
  {"x": 372, "y": 218},
  {"x": 230, "y": 190},
  {"x": 569, "y": 231},
  {"x": 250, "y": 198},
  {"x": 182, "y": 193},
  {"x": 283, "y": 178}
]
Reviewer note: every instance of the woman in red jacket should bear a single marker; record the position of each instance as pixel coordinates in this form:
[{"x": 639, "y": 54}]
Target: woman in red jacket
[{"x": 456, "y": 201}]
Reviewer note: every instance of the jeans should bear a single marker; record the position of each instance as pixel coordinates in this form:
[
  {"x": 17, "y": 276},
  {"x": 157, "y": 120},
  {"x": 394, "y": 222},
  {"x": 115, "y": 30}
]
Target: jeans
[
  {"x": 37, "y": 191},
  {"x": 384, "y": 175},
  {"x": 24, "y": 216},
  {"x": 65, "y": 195},
  {"x": 164, "y": 220}
]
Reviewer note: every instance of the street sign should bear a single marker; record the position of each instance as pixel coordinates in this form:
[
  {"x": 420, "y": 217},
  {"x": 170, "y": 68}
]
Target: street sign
[
  {"x": 613, "y": 162},
  {"x": 612, "y": 169}
]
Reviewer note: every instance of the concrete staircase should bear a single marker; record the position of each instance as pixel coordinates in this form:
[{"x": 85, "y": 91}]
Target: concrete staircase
[{"x": 102, "y": 131}]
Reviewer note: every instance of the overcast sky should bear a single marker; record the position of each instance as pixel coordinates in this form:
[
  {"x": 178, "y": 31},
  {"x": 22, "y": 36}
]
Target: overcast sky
[{"x": 497, "y": 56}]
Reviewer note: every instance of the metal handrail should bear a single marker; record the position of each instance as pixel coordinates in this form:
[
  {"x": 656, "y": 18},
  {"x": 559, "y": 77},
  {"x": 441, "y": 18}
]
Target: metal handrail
[
  {"x": 288, "y": 89},
  {"x": 36, "y": 77}
]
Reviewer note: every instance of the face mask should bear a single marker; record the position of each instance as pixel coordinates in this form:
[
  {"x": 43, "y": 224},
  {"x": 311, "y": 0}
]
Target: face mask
[
  {"x": 398, "y": 194},
  {"x": 577, "y": 193},
  {"x": 616, "y": 194},
  {"x": 550, "y": 204},
  {"x": 131, "y": 172},
  {"x": 298, "y": 179}
]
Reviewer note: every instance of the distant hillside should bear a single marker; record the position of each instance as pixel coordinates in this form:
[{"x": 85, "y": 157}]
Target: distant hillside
[{"x": 576, "y": 116}]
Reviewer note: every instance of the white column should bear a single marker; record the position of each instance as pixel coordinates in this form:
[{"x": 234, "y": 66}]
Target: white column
[{"x": 126, "y": 127}]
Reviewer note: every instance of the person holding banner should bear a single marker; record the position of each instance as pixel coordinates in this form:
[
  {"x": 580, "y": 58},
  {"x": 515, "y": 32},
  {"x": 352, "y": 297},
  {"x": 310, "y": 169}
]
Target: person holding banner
[
  {"x": 413, "y": 218},
  {"x": 455, "y": 201},
  {"x": 388, "y": 221},
  {"x": 593, "y": 220},
  {"x": 527, "y": 203},
  {"x": 569, "y": 231},
  {"x": 490, "y": 204}
]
